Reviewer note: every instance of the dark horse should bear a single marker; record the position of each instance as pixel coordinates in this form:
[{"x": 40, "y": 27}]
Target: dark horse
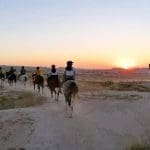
[
  {"x": 2, "y": 78},
  {"x": 39, "y": 80},
  {"x": 70, "y": 90},
  {"x": 53, "y": 84},
  {"x": 12, "y": 78}
]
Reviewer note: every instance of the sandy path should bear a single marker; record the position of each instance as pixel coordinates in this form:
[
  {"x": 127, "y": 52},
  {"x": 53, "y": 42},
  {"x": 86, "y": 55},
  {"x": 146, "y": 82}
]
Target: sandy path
[{"x": 97, "y": 124}]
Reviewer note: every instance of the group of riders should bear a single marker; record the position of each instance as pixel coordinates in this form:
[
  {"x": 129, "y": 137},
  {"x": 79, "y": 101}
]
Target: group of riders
[
  {"x": 69, "y": 73},
  {"x": 12, "y": 73}
]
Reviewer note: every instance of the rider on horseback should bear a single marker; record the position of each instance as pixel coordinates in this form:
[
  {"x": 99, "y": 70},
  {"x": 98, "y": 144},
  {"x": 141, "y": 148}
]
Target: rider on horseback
[
  {"x": 38, "y": 78},
  {"x": 22, "y": 71},
  {"x": 10, "y": 75},
  {"x": 69, "y": 73},
  {"x": 53, "y": 75},
  {"x": 1, "y": 73},
  {"x": 12, "y": 71},
  {"x": 38, "y": 72}
]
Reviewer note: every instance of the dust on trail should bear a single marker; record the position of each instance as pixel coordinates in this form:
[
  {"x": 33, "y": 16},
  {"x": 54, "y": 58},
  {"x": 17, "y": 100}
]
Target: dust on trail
[{"x": 97, "y": 123}]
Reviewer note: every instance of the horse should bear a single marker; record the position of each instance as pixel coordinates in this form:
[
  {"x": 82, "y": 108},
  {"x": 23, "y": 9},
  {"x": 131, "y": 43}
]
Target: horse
[
  {"x": 54, "y": 86},
  {"x": 70, "y": 90},
  {"x": 23, "y": 78},
  {"x": 2, "y": 78},
  {"x": 12, "y": 78},
  {"x": 39, "y": 81}
]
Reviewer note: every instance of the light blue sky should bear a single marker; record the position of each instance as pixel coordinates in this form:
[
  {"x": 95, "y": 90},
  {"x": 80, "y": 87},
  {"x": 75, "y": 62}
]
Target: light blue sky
[{"x": 73, "y": 28}]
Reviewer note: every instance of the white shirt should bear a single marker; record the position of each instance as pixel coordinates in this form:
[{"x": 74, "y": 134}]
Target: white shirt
[
  {"x": 70, "y": 73},
  {"x": 53, "y": 73}
]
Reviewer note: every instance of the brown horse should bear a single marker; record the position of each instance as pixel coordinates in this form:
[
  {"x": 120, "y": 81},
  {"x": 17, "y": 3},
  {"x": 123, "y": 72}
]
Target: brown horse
[
  {"x": 39, "y": 81},
  {"x": 70, "y": 90},
  {"x": 54, "y": 86}
]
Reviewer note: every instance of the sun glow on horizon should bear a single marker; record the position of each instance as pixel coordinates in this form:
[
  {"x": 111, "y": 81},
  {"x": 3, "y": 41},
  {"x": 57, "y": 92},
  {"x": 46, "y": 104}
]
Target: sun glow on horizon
[{"x": 126, "y": 63}]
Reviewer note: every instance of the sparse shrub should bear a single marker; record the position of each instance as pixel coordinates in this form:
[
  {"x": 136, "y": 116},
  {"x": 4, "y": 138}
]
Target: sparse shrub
[
  {"x": 129, "y": 86},
  {"x": 19, "y": 100},
  {"x": 140, "y": 147},
  {"x": 107, "y": 83}
]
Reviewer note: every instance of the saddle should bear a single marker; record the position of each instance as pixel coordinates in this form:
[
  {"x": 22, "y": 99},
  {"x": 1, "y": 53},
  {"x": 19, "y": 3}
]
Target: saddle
[
  {"x": 37, "y": 78},
  {"x": 53, "y": 80}
]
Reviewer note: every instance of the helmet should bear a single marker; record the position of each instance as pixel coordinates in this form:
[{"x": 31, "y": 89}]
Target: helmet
[
  {"x": 22, "y": 67},
  {"x": 37, "y": 67},
  {"x": 69, "y": 62}
]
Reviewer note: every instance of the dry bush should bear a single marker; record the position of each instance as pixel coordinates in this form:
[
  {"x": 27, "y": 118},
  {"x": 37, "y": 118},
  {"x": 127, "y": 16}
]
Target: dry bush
[
  {"x": 130, "y": 86},
  {"x": 145, "y": 146},
  {"x": 89, "y": 86},
  {"x": 85, "y": 86},
  {"x": 107, "y": 83},
  {"x": 16, "y": 99}
]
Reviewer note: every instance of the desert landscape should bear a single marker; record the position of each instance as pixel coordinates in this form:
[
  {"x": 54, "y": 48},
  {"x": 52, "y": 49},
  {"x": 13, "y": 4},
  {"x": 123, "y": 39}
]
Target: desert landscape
[
  {"x": 102, "y": 49},
  {"x": 111, "y": 112}
]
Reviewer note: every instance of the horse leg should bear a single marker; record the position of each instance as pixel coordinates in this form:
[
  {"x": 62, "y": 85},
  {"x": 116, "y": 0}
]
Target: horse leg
[
  {"x": 51, "y": 93},
  {"x": 66, "y": 101},
  {"x": 10, "y": 82},
  {"x": 15, "y": 80},
  {"x": 38, "y": 88},
  {"x": 56, "y": 98},
  {"x": 70, "y": 105},
  {"x": 34, "y": 86},
  {"x": 25, "y": 81},
  {"x": 42, "y": 89},
  {"x": 57, "y": 95}
]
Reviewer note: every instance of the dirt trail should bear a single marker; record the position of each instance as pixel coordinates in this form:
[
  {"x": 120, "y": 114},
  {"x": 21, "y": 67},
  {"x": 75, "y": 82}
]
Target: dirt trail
[{"x": 96, "y": 124}]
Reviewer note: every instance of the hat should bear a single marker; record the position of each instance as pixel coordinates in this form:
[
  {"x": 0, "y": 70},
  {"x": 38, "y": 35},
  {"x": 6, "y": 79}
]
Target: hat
[{"x": 69, "y": 62}]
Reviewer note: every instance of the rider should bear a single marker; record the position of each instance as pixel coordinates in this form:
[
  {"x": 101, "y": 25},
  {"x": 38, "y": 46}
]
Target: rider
[
  {"x": 53, "y": 74},
  {"x": 38, "y": 72},
  {"x": 69, "y": 73},
  {"x": 22, "y": 71},
  {"x": 12, "y": 70}
]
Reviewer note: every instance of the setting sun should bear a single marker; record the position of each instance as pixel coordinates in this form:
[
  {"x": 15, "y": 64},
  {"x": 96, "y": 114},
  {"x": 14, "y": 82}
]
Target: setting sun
[{"x": 126, "y": 63}]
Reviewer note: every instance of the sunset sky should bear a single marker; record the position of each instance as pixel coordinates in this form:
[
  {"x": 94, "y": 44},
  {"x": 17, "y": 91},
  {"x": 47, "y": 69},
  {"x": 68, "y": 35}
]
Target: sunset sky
[{"x": 92, "y": 33}]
